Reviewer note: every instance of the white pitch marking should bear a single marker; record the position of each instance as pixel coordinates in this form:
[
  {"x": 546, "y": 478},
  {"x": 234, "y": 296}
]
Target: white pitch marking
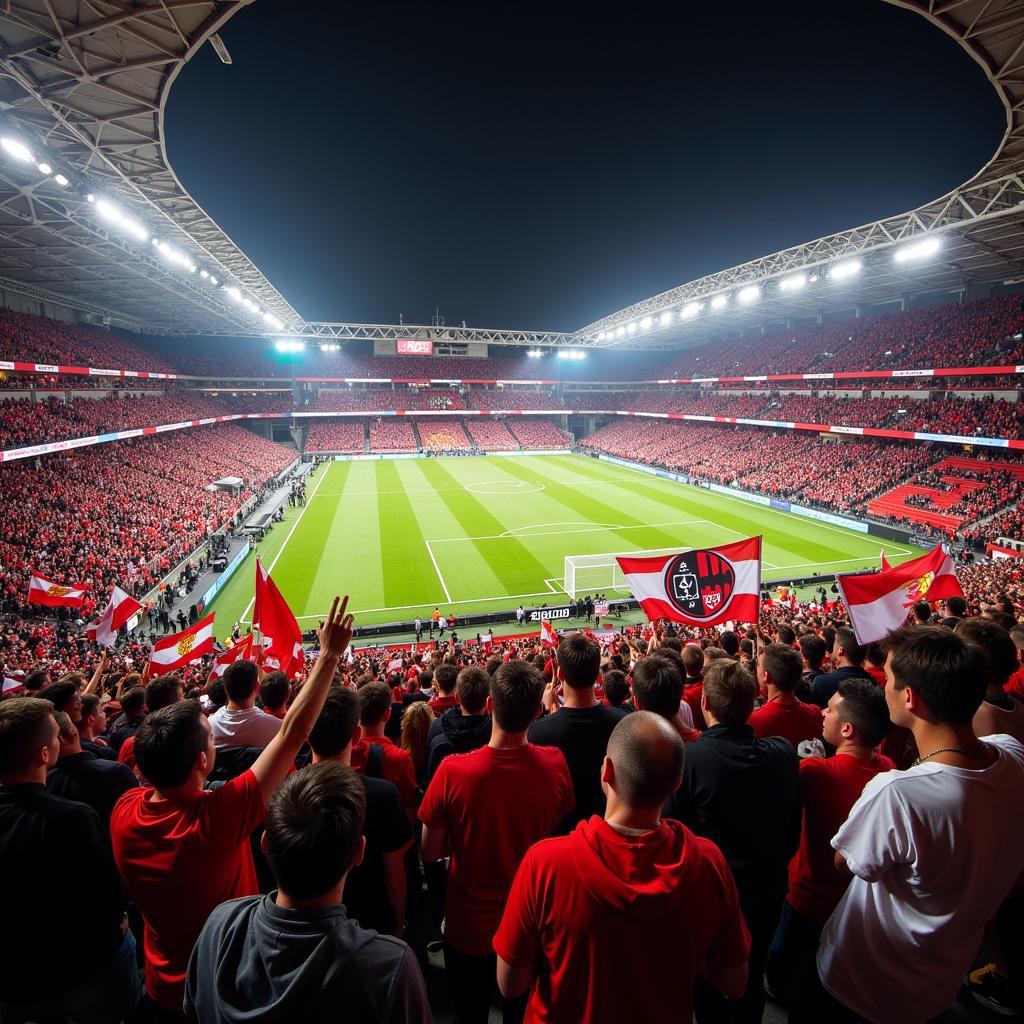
[
  {"x": 298, "y": 519},
  {"x": 444, "y": 587},
  {"x": 597, "y": 528}
]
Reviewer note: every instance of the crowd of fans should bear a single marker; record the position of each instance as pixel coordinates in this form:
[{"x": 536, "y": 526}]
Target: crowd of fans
[
  {"x": 442, "y": 436},
  {"x": 490, "y": 435},
  {"x": 392, "y": 434},
  {"x": 78, "y": 516},
  {"x": 533, "y": 432},
  {"x": 347, "y": 437},
  {"x": 651, "y": 822}
]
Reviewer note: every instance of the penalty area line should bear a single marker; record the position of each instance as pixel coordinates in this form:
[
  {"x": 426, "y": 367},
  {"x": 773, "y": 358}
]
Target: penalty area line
[{"x": 444, "y": 586}]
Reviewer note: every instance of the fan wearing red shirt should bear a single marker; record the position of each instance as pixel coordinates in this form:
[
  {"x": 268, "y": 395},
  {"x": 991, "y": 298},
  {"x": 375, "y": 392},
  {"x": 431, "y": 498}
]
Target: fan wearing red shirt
[
  {"x": 445, "y": 678},
  {"x": 658, "y": 687},
  {"x": 693, "y": 684},
  {"x": 182, "y": 849},
  {"x": 397, "y": 766},
  {"x": 779, "y": 670},
  {"x": 856, "y": 720},
  {"x": 485, "y": 809},
  {"x": 630, "y": 896}
]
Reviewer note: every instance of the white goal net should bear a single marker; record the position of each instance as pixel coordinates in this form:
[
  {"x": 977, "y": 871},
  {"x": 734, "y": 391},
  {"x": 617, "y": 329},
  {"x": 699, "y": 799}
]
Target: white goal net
[{"x": 590, "y": 574}]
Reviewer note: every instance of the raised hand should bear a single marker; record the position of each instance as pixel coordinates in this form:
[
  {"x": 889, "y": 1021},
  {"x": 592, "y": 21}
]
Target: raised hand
[{"x": 335, "y": 632}]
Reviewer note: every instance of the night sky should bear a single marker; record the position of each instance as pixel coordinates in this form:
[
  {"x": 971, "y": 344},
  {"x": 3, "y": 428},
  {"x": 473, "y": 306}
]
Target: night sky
[{"x": 540, "y": 166}]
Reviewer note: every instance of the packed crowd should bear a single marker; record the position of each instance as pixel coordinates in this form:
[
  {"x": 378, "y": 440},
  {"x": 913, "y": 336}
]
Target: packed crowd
[
  {"x": 392, "y": 435},
  {"x": 719, "y": 816},
  {"x": 533, "y": 432},
  {"x": 77, "y": 517},
  {"x": 442, "y": 436},
  {"x": 343, "y": 436},
  {"x": 490, "y": 435}
]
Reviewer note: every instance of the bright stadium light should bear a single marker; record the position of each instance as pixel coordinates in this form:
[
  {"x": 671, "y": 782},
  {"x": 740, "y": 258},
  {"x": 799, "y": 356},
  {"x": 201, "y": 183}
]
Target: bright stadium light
[
  {"x": 793, "y": 283},
  {"x": 918, "y": 250},
  {"x": 845, "y": 269},
  {"x": 61, "y": 180},
  {"x": 44, "y": 168},
  {"x": 290, "y": 346},
  {"x": 647, "y": 323},
  {"x": 108, "y": 211},
  {"x": 631, "y": 328},
  {"x": 690, "y": 310},
  {"x": 233, "y": 293},
  {"x": 719, "y": 301},
  {"x": 666, "y": 317},
  {"x": 620, "y": 332},
  {"x": 204, "y": 274},
  {"x": 133, "y": 227},
  {"x": 600, "y": 337},
  {"x": 213, "y": 280},
  {"x": 16, "y": 149},
  {"x": 749, "y": 294}
]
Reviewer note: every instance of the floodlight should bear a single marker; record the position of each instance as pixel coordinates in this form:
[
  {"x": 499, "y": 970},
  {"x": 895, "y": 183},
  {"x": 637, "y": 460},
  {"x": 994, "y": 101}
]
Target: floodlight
[
  {"x": 108, "y": 211},
  {"x": 213, "y": 280},
  {"x": 631, "y": 328},
  {"x": 845, "y": 269},
  {"x": 646, "y": 323},
  {"x": 793, "y": 283},
  {"x": 233, "y": 292},
  {"x": 749, "y": 294},
  {"x": 600, "y": 337},
  {"x": 133, "y": 227},
  {"x": 204, "y": 274},
  {"x": 620, "y": 332},
  {"x": 61, "y": 180},
  {"x": 44, "y": 168},
  {"x": 918, "y": 250},
  {"x": 719, "y": 301},
  {"x": 16, "y": 149},
  {"x": 690, "y": 310},
  {"x": 666, "y": 317}
]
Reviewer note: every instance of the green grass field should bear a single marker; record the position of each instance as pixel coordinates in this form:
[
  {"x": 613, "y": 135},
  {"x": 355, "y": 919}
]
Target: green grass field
[{"x": 483, "y": 534}]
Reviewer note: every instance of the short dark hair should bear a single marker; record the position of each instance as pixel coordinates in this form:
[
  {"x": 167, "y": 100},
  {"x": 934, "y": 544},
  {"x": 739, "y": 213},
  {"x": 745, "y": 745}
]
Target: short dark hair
[
  {"x": 785, "y": 634},
  {"x": 274, "y": 690},
  {"x": 133, "y": 701},
  {"x": 336, "y": 724},
  {"x": 473, "y": 687},
  {"x": 374, "y": 703},
  {"x": 863, "y": 706},
  {"x": 314, "y": 822},
  {"x": 216, "y": 692},
  {"x": 168, "y": 742},
  {"x": 90, "y": 705},
  {"x": 956, "y": 606},
  {"x": 24, "y": 728},
  {"x": 729, "y": 642},
  {"x": 240, "y": 679},
  {"x": 616, "y": 687},
  {"x": 162, "y": 692},
  {"x": 647, "y": 755},
  {"x": 1000, "y": 651},
  {"x": 847, "y": 639},
  {"x": 693, "y": 660},
  {"x": 446, "y": 677},
  {"x": 729, "y": 691},
  {"x": 516, "y": 690},
  {"x": 784, "y": 665},
  {"x": 36, "y": 679},
  {"x": 923, "y": 612},
  {"x": 949, "y": 673},
  {"x": 59, "y": 694},
  {"x": 579, "y": 659},
  {"x": 814, "y": 649},
  {"x": 658, "y": 685}
]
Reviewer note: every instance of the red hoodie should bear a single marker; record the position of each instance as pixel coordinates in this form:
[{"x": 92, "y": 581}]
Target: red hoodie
[{"x": 597, "y": 907}]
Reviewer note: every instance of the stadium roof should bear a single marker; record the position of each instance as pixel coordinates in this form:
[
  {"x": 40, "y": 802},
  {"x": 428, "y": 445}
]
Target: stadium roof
[
  {"x": 974, "y": 234},
  {"x": 84, "y": 84}
]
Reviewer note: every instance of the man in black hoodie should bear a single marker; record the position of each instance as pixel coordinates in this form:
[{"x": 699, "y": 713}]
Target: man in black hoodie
[
  {"x": 464, "y": 727},
  {"x": 295, "y": 955}
]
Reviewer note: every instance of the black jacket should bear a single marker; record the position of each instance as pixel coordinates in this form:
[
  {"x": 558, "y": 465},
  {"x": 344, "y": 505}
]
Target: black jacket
[{"x": 456, "y": 733}]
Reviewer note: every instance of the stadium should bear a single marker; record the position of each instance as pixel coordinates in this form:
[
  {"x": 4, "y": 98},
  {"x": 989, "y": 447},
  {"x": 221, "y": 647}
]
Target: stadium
[{"x": 192, "y": 470}]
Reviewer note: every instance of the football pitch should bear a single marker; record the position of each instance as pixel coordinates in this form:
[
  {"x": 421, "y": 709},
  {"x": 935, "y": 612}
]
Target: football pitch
[{"x": 488, "y": 533}]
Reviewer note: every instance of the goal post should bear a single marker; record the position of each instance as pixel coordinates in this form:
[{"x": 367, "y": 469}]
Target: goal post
[{"x": 588, "y": 574}]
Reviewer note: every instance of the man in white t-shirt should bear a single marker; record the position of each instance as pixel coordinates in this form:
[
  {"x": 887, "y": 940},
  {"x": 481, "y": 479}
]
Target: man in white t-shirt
[
  {"x": 241, "y": 723},
  {"x": 933, "y": 851}
]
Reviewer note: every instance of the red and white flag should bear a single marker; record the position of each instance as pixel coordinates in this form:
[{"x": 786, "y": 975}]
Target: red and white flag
[
  {"x": 181, "y": 649},
  {"x": 883, "y": 562},
  {"x": 239, "y": 652},
  {"x": 120, "y": 608},
  {"x": 705, "y": 587},
  {"x": 881, "y": 602},
  {"x": 12, "y": 685},
  {"x": 282, "y": 638},
  {"x": 55, "y": 595},
  {"x": 548, "y": 636}
]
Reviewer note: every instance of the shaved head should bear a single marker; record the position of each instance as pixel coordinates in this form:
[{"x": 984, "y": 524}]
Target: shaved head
[{"x": 647, "y": 757}]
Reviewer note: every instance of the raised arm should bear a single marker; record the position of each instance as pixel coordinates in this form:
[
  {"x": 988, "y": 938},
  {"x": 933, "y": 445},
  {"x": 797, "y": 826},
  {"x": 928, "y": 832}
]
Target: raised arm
[
  {"x": 93, "y": 686},
  {"x": 276, "y": 761}
]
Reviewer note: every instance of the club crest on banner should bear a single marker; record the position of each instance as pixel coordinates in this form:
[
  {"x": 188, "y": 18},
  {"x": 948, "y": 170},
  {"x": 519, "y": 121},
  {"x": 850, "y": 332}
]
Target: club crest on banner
[
  {"x": 916, "y": 589},
  {"x": 700, "y": 583},
  {"x": 185, "y": 644},
  {"x": 56, "y": 590}
]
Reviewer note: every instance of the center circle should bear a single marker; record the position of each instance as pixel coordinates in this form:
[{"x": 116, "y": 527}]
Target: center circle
[{"x": 503, "y": 487}]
